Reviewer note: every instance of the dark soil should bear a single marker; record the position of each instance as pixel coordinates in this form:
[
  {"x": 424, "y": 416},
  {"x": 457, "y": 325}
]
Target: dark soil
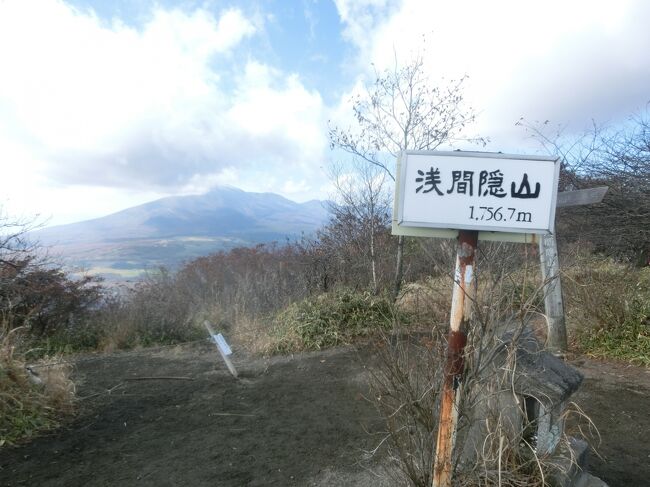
[
  {"x": 617, "y": 399},
  {"x": 287, "y": 421},
  {"x": 296, "y": 420}
]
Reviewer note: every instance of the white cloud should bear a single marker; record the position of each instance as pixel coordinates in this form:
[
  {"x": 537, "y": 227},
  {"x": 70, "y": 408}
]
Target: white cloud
[
  {"x": 232, "y": 28},
  {"x": 564, "y": 61},
  {"x": 271, "y": 112},
  {"x": 361, "y": 17},
  {"x": 92, "y": 103}
]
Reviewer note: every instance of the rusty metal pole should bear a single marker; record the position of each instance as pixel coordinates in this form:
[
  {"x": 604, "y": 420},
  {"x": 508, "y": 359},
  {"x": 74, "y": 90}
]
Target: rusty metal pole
[{"x": 461, "y": 310}]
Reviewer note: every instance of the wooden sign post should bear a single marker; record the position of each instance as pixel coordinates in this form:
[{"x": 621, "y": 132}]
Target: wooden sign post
[
  {"x": 471, "y": 195},
  {"x": 556, "y": 340},
  {"x": 556, "y": 336}
]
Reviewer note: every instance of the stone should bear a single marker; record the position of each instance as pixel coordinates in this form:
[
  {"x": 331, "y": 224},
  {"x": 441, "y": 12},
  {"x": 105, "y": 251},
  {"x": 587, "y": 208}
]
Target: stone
[
  {"x": 529, "y": 404},
  {"x": 588, "y": 480}
]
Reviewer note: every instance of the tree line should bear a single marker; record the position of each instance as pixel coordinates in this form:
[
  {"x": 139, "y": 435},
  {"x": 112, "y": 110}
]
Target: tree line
[{"x": 399, "y": 110}]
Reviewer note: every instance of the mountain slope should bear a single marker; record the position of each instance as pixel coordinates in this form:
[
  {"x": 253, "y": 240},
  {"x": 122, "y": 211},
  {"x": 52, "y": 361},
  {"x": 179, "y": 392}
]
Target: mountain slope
[{"x": 170, "y": 230}]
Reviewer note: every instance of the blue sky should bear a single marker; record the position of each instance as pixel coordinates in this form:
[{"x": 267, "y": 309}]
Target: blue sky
[
  {"x": 104, "y": 105},
  {"x": 295, "y": 36}
]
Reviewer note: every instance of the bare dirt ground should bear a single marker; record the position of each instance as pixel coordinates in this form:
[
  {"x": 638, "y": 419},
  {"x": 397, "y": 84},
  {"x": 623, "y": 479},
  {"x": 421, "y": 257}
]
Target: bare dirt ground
[
  {"x": 288, "y": 421},
  {"x": 617, "y": 399}
]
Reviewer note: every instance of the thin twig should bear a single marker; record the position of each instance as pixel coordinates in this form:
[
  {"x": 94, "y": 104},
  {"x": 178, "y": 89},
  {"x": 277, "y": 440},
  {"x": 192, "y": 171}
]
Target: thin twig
[
  {"x": 233, "y": 414},
  {"x": 107, "y": 391},
  {"x": 160, "y": 378}
]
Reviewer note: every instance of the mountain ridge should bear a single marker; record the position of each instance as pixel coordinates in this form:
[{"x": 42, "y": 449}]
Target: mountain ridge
[{"x": 174, "y": 229}]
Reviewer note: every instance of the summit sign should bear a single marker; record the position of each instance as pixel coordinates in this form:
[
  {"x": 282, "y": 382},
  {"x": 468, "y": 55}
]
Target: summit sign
[{"x": 488, "y": 192}]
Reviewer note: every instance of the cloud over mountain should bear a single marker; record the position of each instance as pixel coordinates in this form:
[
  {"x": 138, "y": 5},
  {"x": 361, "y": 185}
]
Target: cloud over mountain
[{"x": 156, "y": 107}]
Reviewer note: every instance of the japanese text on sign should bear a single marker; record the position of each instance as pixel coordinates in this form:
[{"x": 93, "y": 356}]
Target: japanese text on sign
[{"x": 479, "y": 191}]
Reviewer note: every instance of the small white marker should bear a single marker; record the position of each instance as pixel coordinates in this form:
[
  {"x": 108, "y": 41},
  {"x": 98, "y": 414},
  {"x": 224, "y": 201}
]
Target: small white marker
[
  {"x": 222, "y": 344},
  {"x": 469, "y": 270},
  {"x": 223, "y": 348}
]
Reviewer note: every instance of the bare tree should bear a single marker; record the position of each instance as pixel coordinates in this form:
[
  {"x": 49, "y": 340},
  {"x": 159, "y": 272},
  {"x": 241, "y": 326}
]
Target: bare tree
[
  {"x": 401, "y": 110},
  {"x": 14, "y": 244},
  {"x": 617, "y": 157},
  {"x": 364, "y": 202},
  {"x": 34, "y": 290},
  {"x": 623, "y": 163}
]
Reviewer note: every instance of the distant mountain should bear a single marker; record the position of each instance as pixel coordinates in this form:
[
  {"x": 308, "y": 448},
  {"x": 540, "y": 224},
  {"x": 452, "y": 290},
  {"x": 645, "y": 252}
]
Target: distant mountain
[{"x": 171, "y": 230}]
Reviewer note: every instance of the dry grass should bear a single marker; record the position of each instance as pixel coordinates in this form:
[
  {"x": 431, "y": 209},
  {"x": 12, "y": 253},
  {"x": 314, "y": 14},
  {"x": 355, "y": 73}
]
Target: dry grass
[
  {"x": 406, "y": 388},
  {"x": 30, "y": 402},
  {"x": 608, "y": 309},
  {"x": 254, "y": 335},
  {"x": 428, "y": 301}
]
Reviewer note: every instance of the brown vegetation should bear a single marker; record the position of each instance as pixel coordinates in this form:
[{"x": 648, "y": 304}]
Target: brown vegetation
[{"x": 32, "y": 398}]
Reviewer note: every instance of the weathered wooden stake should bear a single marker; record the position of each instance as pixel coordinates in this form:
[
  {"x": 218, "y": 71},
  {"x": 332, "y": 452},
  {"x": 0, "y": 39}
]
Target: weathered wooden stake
[
  {"x": 556, "y": 340},
  {"x": 461, "y": 310}
]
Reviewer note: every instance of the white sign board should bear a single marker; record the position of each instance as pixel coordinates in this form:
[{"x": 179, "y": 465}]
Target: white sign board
[
  {"x": 490, "y": 192},
  {"x": 222, "y": 344}
]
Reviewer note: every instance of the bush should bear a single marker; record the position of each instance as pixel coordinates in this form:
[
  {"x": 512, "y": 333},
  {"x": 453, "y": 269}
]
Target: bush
[
  {"x": 330, "y": 319},
  {"x": 629, "y": 342},
  {"x": 155, "y": 311},
  {"x": 608, "y": 307},
  {"x": 43, "y": 296},
  {"x": 39, "y": 296}
]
